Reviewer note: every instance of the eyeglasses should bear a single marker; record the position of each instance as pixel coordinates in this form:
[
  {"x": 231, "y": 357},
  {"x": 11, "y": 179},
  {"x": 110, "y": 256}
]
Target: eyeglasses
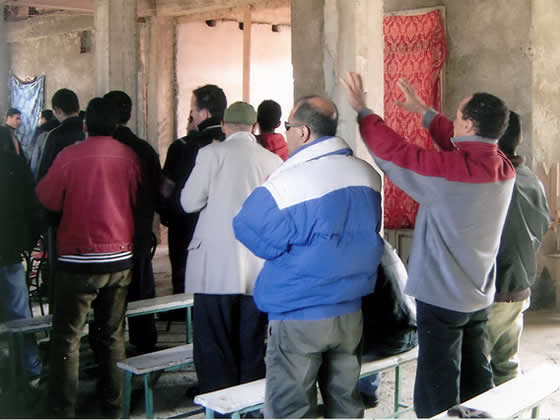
[{"x": 288, "y": 125}]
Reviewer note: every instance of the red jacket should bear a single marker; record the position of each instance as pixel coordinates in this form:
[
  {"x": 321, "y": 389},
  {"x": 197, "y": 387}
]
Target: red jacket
[
  {"x": 275, "y": 143},
  {"x": 93, "y": 184}
]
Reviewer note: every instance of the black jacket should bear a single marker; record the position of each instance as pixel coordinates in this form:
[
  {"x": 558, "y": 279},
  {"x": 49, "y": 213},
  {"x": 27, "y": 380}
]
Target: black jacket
[
  {"x": 70, "y": 131},
  {"x": 526, "y": 223},
  {"x": 179, "y": 163},
  {"x": 389, "y": 315},
  {"x": 147, "y": 197},
  {"x": 20, "y": 215}
]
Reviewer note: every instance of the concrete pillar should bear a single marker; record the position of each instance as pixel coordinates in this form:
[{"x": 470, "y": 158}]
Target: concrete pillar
[
  {"x": 161, "y": 92},
  {"x": 329, "y": 38},
  {"x": 116, "y": 50},
  {"x": 4, "y": 67}
]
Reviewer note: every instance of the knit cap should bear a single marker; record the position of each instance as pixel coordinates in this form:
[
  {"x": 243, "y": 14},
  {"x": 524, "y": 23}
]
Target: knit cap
[{"x": 240, "y": 113}]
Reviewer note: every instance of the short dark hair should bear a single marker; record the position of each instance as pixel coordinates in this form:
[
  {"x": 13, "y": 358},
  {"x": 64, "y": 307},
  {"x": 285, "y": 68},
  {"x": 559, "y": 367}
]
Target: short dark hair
[
  {"x": 122, "y": 102},
  {"x": 101, "y": 117},
  {"x": 320, "y": 123},
  {"x": 66, "y": 100},
  {"x": 488, "y": 113},
  {"x": 212, "y": 98},
  {"x": 512, "y": 137},
  {"x": 269, "y": 113},
  {"x": 47, "y": 114},
  {"x": 13, "y": 111}
]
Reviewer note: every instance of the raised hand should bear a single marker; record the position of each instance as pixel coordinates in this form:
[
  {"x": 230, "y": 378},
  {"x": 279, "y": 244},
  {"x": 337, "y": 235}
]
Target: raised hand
[
  {"x": 354, "y": 90},
  {"x": 412, "y": 102}
]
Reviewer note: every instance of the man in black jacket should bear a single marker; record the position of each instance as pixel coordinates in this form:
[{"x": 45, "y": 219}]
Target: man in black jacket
[
  {"x": 19, "y": 230},
  {"x": 208, "y": 104},
  {"x": 66, "y": 108},
  {"x": 142, "y": 330},
  {"x": 516, "y": 264}
]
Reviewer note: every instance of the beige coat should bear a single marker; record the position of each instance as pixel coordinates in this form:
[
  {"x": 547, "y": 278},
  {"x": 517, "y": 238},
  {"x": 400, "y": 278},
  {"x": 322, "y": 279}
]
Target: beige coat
[{"x": 223, "y": 177}]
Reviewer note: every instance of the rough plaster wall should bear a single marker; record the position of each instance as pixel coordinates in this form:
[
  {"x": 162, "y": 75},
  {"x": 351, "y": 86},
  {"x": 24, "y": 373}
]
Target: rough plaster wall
[
  {"x": 58, "y": 57},
  {"x": 215, "y": 55},
  {"x": 307, "y": 50},
  {"x": 489, "y": 47},
  {"x": 4, "y": 69},
  {"x": 546, "y": 80}
]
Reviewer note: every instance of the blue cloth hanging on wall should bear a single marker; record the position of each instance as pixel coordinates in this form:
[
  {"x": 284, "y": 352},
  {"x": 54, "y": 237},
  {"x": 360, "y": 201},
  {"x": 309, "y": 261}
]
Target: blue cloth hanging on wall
[{"x": 28, "y": 97}]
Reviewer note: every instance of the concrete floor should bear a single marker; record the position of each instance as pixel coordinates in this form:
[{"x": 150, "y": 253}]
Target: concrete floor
[{"x": 173, "y": 391}]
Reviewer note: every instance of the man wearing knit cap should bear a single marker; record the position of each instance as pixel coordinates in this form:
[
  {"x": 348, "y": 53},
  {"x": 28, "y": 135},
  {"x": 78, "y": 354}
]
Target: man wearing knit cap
[{"x": 229, "y": 341}]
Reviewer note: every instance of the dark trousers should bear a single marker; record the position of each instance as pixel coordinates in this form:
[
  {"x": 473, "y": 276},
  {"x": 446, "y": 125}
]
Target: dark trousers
[
  {"x": 178, "y": 242},
  {"x": 142, "y": 330},
  {"x": 228, "y": 348},
  {"x": 452, "y": 360}
]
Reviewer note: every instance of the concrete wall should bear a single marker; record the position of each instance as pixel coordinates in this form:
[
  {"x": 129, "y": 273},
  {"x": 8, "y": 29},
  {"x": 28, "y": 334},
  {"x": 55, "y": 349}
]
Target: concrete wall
[
  {"x": 58, "y": 57},
  {"x": 4, "y": 69},
  {"x": 545, "y": 54},
  {"x": 215, "y": 55}
]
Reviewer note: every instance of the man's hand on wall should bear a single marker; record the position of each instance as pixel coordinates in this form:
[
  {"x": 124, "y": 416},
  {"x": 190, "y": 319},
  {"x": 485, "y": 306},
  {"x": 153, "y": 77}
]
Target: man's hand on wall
[
  {"x": 354, "y": 91},
  {"x": 412, "y": 102}
]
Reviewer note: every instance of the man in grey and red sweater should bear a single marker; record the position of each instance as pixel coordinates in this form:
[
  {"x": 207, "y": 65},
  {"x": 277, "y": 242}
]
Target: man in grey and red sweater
[
  {"x": 93, "y": 185},
  {"x": 464, "y": 192}
]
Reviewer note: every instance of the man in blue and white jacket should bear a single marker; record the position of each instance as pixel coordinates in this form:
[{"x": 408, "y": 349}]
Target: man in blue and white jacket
[{"x": 316, "y": 222}]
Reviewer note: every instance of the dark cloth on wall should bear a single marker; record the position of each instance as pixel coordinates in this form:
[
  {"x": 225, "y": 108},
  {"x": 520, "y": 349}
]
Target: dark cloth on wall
[
  {"x": 230, "y": 331},
  {"x": 70, "y": 131},
  {"x": 179, "y": 163}
]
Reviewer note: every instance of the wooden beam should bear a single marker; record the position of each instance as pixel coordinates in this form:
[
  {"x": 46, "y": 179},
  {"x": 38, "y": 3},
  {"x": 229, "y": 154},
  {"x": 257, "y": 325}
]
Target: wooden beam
[
  {"x": 47, "y": 26},
  {"x": 189, "y": 7},
  {"x": 71, "y": 5},
  {"x": 247, "y": 53}
]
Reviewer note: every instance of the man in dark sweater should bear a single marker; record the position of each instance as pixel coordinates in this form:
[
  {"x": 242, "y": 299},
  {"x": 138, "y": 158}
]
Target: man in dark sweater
[
  {"x": 142, "y": 329},
  {"x": 526, "y": 223},
  {"x": 208, "y": 104}
]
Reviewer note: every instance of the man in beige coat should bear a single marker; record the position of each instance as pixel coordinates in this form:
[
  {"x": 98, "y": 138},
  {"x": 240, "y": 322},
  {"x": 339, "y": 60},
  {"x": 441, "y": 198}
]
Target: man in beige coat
[{"x": 229, "y": 330}]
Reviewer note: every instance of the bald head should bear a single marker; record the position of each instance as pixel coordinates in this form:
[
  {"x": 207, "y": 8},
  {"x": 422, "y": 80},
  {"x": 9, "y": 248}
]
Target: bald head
[{"x": 318, "y": 113}]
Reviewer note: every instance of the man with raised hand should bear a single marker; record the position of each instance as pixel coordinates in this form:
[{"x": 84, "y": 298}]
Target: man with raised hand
[{"x": 464, "y": 192}]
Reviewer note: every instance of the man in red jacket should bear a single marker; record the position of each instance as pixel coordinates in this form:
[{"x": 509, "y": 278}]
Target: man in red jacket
[
  {"x": 93, "y": 185},
  {"x": 268, "y": 118}
]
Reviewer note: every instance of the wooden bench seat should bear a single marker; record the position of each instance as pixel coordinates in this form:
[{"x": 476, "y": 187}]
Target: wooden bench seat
[
  {"x": 172, "y": 358},
  {"x": 520, "y": 395},
  {"x": 240, "y": 399},
  {"x": 18, "y": 328}
]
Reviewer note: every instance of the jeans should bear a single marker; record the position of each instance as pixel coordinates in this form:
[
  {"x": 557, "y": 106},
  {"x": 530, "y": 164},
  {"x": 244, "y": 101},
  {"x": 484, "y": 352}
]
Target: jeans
[
  {"x": 453, "y": 362},
  {"x": 14, "y": 304},
  {"x": 75, "y": 294},
  {"x": 505, "y": 325}
]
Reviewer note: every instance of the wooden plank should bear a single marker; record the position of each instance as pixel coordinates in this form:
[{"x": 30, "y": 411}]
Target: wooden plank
[
  {"x": 159, "y": 360},
  {"x": 233, "y": 399},
  {"x": 159, "y": 304},
  {"x": 188, "y": 7},
  {"x": 247, "y": 53},
  {"x": 71, "y": 5},
  {"x": 518, "y": 395},
  {"x": 389, "y": 362}
]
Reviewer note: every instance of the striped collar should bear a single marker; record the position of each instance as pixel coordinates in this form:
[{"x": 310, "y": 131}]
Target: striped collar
[{"x": 476, "y": 139}]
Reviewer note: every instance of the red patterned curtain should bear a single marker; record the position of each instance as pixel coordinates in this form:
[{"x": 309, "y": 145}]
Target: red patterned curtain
[{"x": 415, "y": 49}]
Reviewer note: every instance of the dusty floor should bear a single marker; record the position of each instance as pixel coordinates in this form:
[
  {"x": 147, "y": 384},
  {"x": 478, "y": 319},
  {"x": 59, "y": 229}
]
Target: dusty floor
[{"x": 540, "y": 344}]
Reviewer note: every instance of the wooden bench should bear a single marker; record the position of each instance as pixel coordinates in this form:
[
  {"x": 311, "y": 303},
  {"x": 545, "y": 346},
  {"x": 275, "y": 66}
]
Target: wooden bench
[
  {"x": 247, "y": 397},
  {"x": 521, "y": 394},
  {"x": 146, "y": 364},
  {"x": 18, "y": 328}
]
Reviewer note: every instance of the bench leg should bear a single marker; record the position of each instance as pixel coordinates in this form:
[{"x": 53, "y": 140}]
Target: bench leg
[
  {"x": 209, "y": 413},
  {"x": 148, "y": 397},
  {"x": 189, "y": 325},
  {"x": 126, "y": 394},
  {"x": 535, "y": 412},
  {"x": 397, "y": 403}
]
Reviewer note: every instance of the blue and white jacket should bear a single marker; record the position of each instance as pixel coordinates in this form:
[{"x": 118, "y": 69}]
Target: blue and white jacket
[{"x": 316, "y": 222}]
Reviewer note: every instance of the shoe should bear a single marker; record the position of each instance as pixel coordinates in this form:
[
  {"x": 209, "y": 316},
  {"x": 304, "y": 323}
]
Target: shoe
[{"x": 370, "y": 401}]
